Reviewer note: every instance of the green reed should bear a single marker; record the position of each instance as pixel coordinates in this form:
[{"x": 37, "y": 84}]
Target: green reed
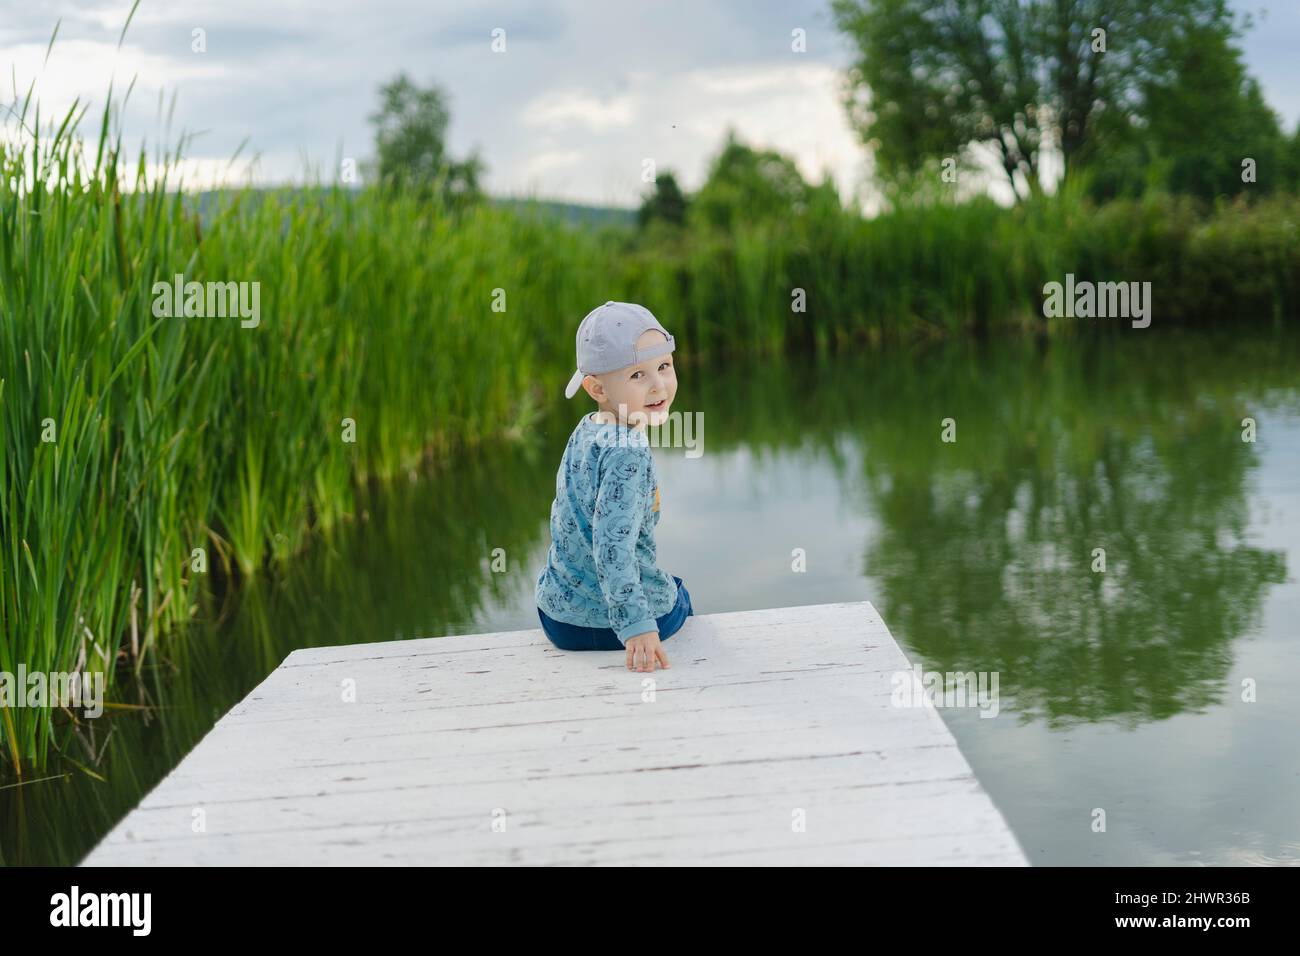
[{"x": 133, "y": 442}]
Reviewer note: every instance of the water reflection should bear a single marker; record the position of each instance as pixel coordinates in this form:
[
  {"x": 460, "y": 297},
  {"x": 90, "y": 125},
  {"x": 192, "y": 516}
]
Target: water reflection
[
  {"x": 985, "y": 546},
  {"x": 1066, "y": 459}
]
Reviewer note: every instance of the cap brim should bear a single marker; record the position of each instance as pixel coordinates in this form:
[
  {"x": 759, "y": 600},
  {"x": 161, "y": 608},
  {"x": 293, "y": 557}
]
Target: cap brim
[{"x": 575, "y": 383}]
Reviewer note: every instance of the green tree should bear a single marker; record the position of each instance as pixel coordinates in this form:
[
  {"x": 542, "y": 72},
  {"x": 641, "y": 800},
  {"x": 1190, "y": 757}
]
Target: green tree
[
  {"x": 1088, "y": 79},
  {"x": 664, "y": 203},
  {"x": 1290, "y": 162},
  {"x": 747, "y": 184},
  {"x": 410, "y": 144},
  {"x": 1198, "y": 124}
]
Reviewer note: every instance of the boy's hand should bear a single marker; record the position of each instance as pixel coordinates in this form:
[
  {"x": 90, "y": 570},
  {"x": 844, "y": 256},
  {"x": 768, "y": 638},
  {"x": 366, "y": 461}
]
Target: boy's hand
[{"x": 645, "y": 651}]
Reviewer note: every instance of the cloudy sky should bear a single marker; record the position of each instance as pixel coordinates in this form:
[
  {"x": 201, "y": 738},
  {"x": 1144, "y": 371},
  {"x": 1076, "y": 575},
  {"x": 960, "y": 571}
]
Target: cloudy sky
[{"x": 584, "y": 92}]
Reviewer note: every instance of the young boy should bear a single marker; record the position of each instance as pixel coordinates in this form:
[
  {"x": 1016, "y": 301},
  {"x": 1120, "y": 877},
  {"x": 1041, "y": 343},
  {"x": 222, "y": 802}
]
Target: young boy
[{"x": 600, "y": 589}]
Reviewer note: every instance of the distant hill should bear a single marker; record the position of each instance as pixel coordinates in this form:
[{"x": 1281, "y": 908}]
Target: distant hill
[
  {"x": 571, "y": 212},
  {"x": 574, "y": 213}
]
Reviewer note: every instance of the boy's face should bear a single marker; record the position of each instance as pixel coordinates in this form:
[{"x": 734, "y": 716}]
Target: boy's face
[{"x": 645, "y": 391}]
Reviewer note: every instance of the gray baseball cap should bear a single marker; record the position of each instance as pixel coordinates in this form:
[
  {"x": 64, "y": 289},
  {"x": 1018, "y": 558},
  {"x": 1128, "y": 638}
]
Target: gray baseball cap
[{"x": 607, "y": 341}]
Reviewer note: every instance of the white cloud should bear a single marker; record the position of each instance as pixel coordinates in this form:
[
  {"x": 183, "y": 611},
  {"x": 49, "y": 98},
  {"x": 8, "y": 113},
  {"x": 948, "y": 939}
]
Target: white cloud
[
  {"x": 576, "y": 108},
  {"x": 79, "y": 68},
  {"x": 551, "y": 161}
]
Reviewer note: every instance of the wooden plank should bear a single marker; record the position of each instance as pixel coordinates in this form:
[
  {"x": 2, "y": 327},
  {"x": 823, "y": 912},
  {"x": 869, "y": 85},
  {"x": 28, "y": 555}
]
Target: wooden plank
[{"x": 488, "y": 749}]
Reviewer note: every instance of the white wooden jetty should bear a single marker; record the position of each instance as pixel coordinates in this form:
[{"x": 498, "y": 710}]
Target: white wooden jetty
[{"x": 770, "y": 740}]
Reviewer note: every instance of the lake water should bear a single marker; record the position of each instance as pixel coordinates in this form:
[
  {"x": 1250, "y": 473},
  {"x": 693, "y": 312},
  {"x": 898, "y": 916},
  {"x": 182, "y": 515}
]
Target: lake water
[{"x": 1160, "y": 690}]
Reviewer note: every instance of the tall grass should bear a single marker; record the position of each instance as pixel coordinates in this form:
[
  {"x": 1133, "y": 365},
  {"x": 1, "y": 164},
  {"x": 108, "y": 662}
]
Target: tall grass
[
  {"x": 129, "y": 441},
  {"x": 946, "y": 268}
]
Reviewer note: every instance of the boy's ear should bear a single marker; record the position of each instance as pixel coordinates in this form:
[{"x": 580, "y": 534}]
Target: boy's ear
[{"x": 593, "y": 387}]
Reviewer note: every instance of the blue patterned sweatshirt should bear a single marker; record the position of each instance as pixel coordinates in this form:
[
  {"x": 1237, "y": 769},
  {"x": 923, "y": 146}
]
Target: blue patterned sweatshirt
[{"x": 600, "y": 569}]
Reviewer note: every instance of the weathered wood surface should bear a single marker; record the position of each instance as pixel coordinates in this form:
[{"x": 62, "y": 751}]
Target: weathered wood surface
[{"x": 500, "y": 749}]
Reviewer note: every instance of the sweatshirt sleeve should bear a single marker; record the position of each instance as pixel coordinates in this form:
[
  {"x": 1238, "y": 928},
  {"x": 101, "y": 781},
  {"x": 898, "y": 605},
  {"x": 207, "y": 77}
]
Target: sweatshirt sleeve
[{"x": 616, "y": 525}]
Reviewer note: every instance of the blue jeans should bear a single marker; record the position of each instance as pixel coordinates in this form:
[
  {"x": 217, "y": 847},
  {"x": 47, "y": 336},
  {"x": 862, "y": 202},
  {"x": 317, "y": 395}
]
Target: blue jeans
[{"x": 572, "y": 637}]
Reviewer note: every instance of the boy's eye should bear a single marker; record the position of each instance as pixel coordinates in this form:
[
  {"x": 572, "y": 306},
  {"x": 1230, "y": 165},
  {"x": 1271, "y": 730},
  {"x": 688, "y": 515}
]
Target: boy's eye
[{"x": 662, "y": 366}]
